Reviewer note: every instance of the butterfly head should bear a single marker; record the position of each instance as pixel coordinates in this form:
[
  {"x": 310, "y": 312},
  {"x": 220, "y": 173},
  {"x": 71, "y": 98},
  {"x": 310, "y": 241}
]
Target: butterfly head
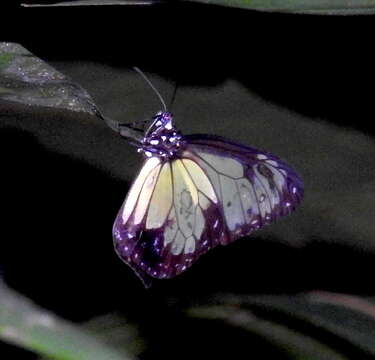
[{"x": 161, "y": 138}]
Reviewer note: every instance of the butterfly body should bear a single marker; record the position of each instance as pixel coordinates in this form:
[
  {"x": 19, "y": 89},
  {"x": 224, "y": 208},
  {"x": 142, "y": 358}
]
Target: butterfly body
[
  {"x": 162, "y": 139},
  {"x": 193, "y": 193}
]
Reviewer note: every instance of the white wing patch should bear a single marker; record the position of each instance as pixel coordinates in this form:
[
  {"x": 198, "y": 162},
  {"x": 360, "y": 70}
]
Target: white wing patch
[
  {"x": 244, "y": 197},
  {"x": 233, "y": 211},
  {"x": 178, "y": 244},
  {"x": 189, "y": 245},
  {"x": 248, "y": 199},
  {"x": 199, "y": 223},
  {"x": 273, "y": 196},
  {"x": 132, "y": 197},
  {"x": 145, "y": 195},
  {"x": 224, "y": 165},
  {"x": 260, "y": 187},
  {"x": 185, "y": 198},
  {"x": 172, "y": 196},
  {"x": 171, "y": 228},
  {"x": 204, "y": 203},
  {"x": 200, "y": 179},
  {"x": 161, "y": 200}
]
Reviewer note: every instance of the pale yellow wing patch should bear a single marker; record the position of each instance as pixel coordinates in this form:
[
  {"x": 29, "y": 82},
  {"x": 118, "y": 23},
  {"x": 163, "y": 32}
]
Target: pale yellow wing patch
[
  {"x": 173, "y": 195},
  {"x": 133, "y": 194},
  {"x": 200, "y": 179},
  {"x": 161, "y": 200},
  {"x": 145, "y": 195}
]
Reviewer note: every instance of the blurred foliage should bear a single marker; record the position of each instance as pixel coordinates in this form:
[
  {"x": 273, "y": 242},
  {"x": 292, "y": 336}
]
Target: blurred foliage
[
  {"x": 24, "y": 324},
  {"x": 310, "y": 326},
  {"x": 28, "y": 80},
  {"x": 317, "y": 325},
  {"x": 322, "y": 7},
  {"x": 314, "y": 326}
]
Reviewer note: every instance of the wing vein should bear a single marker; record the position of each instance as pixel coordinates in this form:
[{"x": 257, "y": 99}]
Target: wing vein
[
  {"x": 208, "y": 164},
  {"x": 267, "y": 195},
  {"x": 152, "y": 193},
  {"x": 140, "y": 192},
  {"x": 239, "y": 196}
]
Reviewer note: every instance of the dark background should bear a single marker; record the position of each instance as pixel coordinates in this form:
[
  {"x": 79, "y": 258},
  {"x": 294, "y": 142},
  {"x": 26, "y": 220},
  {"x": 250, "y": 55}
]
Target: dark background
[{"x": 300, "y": 86}]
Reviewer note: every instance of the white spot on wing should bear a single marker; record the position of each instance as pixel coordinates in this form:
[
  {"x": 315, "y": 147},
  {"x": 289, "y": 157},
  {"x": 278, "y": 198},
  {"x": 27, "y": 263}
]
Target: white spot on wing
[
  {"x": 132, "y": 196},
  {"x": 262, "y": 157}
]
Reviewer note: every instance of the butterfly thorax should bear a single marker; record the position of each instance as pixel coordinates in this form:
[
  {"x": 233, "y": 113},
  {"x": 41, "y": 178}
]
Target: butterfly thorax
[{"x": 162, "y": 139}]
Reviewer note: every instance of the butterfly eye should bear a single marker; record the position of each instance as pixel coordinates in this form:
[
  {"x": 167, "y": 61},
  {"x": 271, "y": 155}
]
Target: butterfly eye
[{"x": 167, "y": 116}]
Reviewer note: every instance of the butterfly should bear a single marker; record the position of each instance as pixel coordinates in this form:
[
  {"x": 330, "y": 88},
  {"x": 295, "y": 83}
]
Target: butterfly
[{"x": 195, "y": 192}]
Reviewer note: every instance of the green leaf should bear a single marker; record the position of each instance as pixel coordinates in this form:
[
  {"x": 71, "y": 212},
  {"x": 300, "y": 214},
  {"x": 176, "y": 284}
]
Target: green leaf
[
  {"x": 25, "y": 324},
  {"x": 26, "y": 79},
  {"x": 5, "y": 60},
  {"x": 115, "y": 330}
]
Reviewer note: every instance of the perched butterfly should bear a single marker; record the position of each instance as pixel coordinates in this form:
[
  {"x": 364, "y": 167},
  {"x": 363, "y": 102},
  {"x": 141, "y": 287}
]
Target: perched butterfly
[{"x": 193, "y": 193}]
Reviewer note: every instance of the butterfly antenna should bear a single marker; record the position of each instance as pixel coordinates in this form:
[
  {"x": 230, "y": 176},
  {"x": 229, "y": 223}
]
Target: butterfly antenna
[
  {"x": 173, "y": 95},
  {"x": 140, "y": 72}
]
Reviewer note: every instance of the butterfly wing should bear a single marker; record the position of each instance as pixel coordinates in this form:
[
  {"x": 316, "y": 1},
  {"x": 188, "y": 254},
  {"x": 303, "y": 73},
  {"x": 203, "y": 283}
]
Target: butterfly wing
[
  {"x": 162, "y": 227},
  {"x": 215, "y": 193},
  {"x": 254, "y": 187}
]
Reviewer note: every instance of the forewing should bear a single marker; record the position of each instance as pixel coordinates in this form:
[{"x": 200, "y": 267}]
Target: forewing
[
  {"x": 254, "y": 187},
  {"x": 163, "y": 227}
]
